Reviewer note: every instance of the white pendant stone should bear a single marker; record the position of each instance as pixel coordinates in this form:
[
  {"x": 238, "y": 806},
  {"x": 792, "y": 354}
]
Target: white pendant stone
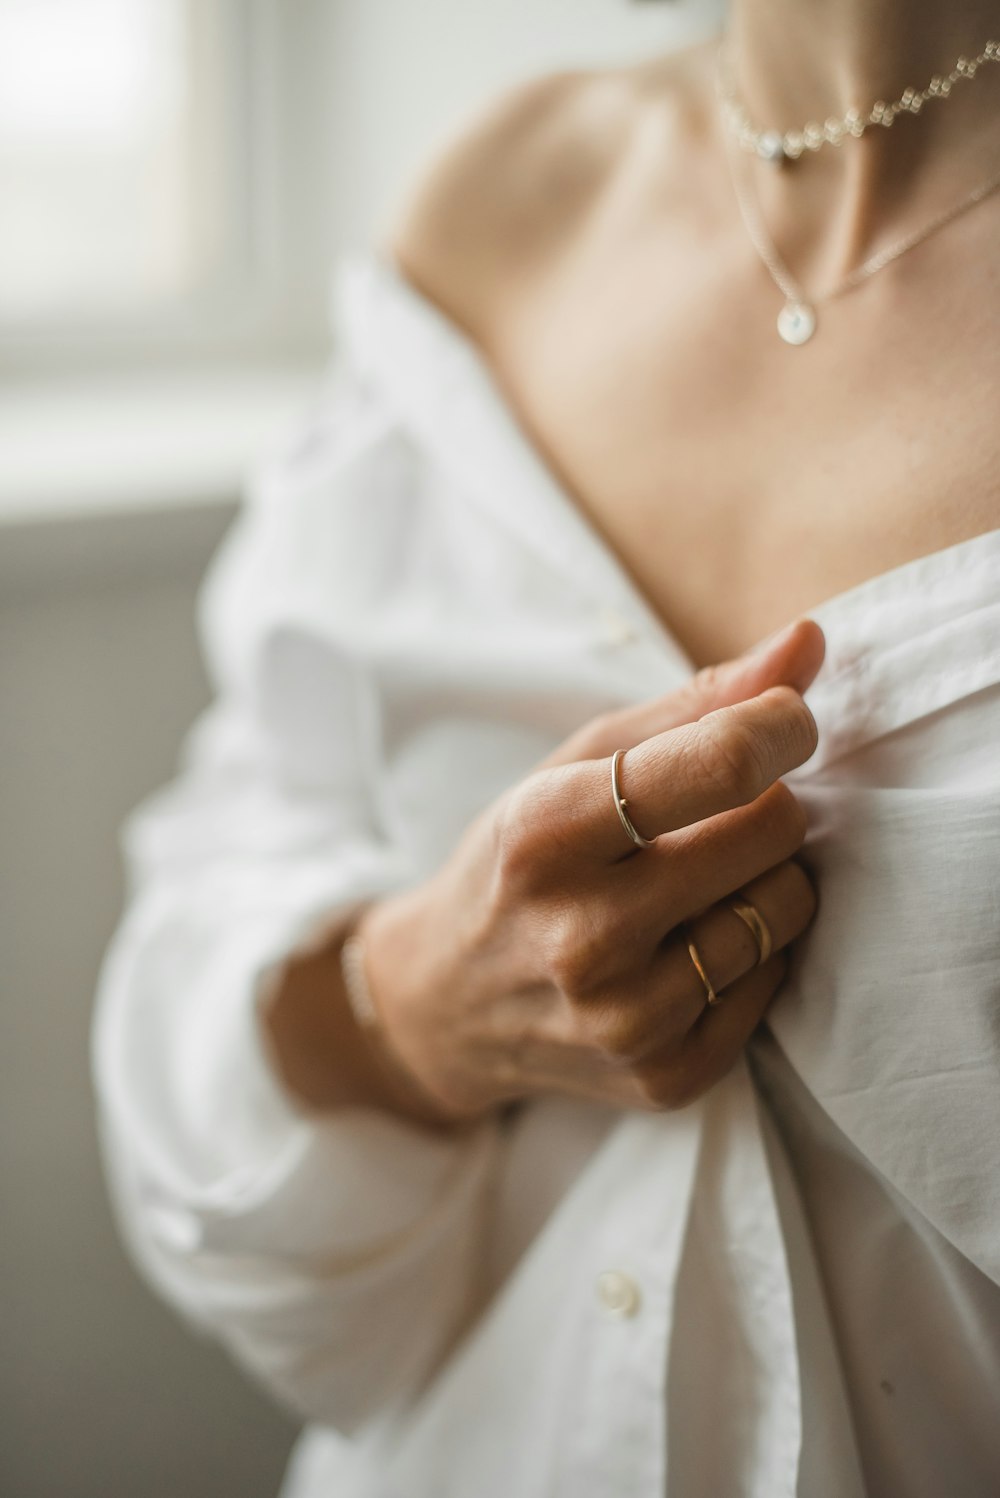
[{"x": 796, "y": 322}]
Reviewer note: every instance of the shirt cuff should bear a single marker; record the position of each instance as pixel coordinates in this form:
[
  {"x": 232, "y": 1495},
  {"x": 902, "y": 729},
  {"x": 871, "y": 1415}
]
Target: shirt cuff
[{"x": 216, "y": 1152}]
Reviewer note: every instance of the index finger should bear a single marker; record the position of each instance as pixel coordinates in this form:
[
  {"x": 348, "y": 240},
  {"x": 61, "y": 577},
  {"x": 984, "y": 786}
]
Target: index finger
[{"x": 726, "y": 759}]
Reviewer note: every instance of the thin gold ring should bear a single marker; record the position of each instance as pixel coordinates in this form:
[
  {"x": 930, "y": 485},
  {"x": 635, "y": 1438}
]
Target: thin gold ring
[
  {"x": 710, "y": 993},
  {"x": 621, "y": 804},
  {"x": 760, "y": 930}
]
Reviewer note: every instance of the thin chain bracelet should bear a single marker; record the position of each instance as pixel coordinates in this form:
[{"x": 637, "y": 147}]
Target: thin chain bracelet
[
  {"x": 352, "y": 965},
  {"x": 353, "y": 959}
]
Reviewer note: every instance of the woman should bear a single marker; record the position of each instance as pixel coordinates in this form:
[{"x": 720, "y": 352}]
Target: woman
[{"x": 502, "y": 1100}]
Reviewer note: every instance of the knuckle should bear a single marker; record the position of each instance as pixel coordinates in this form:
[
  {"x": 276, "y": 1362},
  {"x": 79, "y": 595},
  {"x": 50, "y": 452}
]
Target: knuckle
[
  {"x": 529, "y": 827},
  {"x": 733, "y": 757},
  {"x": 515, "y": 846},
  {"x": 577, "y": 956}
]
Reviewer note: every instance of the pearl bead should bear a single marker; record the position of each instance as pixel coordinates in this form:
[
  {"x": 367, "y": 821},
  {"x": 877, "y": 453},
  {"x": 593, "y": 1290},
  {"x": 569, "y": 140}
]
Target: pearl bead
[{"x": 771, "y": 146}]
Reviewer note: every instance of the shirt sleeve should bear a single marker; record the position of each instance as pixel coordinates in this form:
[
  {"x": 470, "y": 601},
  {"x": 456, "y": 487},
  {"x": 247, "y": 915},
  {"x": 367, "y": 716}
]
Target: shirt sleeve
[{"x": 337, "y": 1256}]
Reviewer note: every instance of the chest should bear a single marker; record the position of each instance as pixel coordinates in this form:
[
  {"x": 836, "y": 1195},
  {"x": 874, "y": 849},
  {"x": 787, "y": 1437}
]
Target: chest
[{"x": 742, "y": 481}]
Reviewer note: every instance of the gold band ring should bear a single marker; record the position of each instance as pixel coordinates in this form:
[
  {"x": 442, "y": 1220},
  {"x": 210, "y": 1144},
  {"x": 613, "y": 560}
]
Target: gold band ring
[
  {"x": 621, "y": 803},
  {"x": 710, "y": 993},
  {"x": 761, "y": 932}
]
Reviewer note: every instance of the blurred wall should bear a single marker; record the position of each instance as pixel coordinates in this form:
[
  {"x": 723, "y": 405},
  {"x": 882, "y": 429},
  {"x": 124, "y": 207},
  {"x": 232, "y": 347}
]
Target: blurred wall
[
  {"x": 103, "y": 1394},
  {"x": 408, "y": 70}
]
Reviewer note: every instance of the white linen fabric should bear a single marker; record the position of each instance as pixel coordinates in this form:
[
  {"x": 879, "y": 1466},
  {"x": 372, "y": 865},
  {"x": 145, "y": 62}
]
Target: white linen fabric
[{"x": 408, "y": 613}]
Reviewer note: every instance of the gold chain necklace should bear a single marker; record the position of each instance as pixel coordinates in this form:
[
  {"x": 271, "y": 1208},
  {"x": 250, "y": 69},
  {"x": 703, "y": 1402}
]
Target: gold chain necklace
[
  {"x": 797, "y": 319},
  {"x": 779, "y": 146}
]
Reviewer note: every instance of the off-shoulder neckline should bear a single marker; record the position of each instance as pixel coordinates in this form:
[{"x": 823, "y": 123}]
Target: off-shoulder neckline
[{"x": 463, "y": 370}]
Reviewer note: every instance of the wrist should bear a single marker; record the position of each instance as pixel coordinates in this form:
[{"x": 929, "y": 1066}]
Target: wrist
[
  {"x": 369, "y": 1015},
  {"x": 324, "y": 1059},
  {"x": 402, "y": 958}
]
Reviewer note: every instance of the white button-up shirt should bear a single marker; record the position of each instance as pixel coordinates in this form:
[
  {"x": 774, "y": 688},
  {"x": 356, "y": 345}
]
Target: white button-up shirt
[{"x": 790, "y": 1287}]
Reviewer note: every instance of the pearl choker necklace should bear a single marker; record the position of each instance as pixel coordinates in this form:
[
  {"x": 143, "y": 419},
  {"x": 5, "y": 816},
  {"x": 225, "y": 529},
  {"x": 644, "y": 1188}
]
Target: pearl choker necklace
[{"x": 779, "y": 146}]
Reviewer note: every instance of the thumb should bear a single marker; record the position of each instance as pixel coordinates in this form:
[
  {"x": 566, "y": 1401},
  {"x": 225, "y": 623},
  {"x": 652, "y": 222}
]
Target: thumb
[{"x": 791, "y": 657}]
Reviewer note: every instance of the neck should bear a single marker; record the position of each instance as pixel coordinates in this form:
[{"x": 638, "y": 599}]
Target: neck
[{"x": 796, "y": 61}]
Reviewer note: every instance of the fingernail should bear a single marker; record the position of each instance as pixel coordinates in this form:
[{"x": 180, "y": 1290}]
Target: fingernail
[{"x": 777, "y": 638}]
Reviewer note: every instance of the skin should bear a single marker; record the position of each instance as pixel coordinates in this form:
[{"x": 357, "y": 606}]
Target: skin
[{"x": 584, "y": 233}]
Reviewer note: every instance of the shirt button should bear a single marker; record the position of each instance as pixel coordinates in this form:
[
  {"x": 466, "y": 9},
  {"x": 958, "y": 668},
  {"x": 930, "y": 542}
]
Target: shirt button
[
  {"x": 615, "y": 628},
  {"x": 618, "y": 1293}
]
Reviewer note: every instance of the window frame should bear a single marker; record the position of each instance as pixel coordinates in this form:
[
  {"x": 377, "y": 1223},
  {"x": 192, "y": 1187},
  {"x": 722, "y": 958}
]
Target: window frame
[{"x": 268, "y": 300}]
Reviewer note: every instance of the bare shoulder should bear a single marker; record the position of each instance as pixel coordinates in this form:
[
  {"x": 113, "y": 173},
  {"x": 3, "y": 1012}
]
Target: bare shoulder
[
  {"x": 502, "y": 198},
  {"x": 492, "y": 200}
]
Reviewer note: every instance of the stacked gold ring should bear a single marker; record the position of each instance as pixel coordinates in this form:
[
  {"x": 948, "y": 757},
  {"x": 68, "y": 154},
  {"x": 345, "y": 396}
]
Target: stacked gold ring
[
  {"x": 710, "y": 993},
  {"x": 761, "y": 932},
  {"x": 751, "y": 917}
]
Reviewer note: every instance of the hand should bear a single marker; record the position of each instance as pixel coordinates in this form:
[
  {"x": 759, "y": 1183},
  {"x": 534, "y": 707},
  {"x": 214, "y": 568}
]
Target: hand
[{"x": 550, "y": 954}]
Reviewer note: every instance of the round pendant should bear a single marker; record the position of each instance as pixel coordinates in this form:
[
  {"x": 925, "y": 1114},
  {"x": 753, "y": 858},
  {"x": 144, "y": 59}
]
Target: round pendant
[{"x": 796, "y": 322}]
